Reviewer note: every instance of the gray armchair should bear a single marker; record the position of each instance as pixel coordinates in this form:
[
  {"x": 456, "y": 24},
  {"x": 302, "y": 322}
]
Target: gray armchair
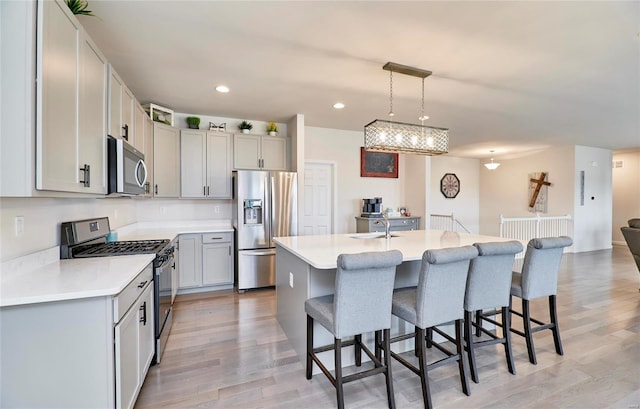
[{"x": 632, "y": 236}]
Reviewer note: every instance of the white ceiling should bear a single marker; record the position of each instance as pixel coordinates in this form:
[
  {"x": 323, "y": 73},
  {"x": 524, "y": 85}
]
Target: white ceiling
[{"x": 507, "y": 76}]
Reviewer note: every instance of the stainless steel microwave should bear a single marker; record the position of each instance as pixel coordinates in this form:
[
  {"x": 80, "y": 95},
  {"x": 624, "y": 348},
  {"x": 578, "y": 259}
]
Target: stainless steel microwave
[{"x": 126, "y": 170}]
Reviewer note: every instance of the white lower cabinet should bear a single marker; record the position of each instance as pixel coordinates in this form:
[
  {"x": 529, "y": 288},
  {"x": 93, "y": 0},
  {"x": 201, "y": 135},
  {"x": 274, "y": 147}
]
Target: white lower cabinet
[
  {"x": 206, "y": 260},
  {"x": 83, "y": 353},
  {"x": 134, "y": 348}
]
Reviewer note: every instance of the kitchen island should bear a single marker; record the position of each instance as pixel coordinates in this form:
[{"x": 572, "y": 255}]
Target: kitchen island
[{"x": 306, "y": 267}]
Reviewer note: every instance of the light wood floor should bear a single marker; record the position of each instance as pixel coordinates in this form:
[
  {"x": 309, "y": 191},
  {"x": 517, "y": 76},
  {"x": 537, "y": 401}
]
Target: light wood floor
[{"x": 228, "y": 351}]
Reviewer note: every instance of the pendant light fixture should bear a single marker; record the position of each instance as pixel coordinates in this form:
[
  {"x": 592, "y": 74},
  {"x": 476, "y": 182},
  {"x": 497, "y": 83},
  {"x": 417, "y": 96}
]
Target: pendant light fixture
[
  {"x": 492, "y": 165},
  {"x": 389, "y": 136}
]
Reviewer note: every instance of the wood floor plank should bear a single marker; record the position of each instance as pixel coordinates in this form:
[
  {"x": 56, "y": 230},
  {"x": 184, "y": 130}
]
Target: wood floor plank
[{"x": 228, "y": 351}]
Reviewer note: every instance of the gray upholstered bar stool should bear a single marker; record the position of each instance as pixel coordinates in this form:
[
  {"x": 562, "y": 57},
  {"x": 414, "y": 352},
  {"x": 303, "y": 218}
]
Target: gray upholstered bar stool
[
  {"x": 489, "y": 287},
  {"x": 539, "y": 278},
  {"x": 361, "y": 303},
  {"x": 437, "y": 299}
]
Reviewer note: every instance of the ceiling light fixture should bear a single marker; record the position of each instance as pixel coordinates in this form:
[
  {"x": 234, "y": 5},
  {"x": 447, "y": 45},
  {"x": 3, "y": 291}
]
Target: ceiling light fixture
[
  {"x": 338, "y": 105},
  {"x": 222, "y": 88},
  {"x": 492, "y": 165},
  {"x": 389, "y": 136}
]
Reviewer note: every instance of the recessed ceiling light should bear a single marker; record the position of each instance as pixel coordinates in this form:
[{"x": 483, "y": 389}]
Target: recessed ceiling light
[
  {"x": 338, "y": 105},
  {"x": 222, "y": 88}
]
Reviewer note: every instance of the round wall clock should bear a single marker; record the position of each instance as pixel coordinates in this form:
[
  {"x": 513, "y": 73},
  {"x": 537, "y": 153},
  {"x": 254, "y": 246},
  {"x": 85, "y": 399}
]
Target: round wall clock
[{"x": 450, "y": 185}]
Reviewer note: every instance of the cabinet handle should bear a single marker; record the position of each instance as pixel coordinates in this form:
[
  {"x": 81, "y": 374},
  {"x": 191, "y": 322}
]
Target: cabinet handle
[
  {"x": 204, "y": 190},
  {"x": 208, "y": 190},
  {"x": 125, "y": 134},
  {"x": 216, "y": 238},
  {"x": 156, "y": 189},
  {"x": 142, "y": 284},
  {"x": 143, "y": 308},
  {"x": 86, "y": 175}
]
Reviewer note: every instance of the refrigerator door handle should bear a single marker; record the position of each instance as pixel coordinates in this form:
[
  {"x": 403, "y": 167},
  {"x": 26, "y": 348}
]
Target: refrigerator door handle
[{"x": 269, "y": 252}]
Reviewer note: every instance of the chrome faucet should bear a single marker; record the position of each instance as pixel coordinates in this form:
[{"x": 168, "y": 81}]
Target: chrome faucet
[{"x": 387, "y": 226}]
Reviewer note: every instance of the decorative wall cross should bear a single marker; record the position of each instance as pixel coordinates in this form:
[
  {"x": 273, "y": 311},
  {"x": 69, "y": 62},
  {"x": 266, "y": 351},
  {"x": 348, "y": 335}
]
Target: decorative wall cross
[{"x": 539, "y": 183}]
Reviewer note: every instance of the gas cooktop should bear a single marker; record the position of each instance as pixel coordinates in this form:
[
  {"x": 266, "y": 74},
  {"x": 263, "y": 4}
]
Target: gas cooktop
[
  {"x": 88, "y": 238},
  {"x": 120, "y": 248}
]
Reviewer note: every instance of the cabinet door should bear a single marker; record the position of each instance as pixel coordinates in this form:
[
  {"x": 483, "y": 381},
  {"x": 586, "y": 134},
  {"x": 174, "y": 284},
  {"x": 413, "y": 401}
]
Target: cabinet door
[
  {"x": 166, "y": 160},
  {"x": 219, "y": 165},
  {"x": 193, "y": 163},
  {"x": 138, "y": 133},
  {"x": 274, "y": 153},
  {"x": 216, "y": 264},
  {"x": 115, "y": 103},
  {"x": 148, "y": 157},
  {"x": 246, "y": 151},
  {"x": 147, "y": 333},
  {"x": 57, "y": 132},
  {"x": 128, "y": 115},
  {"x": 190, "y": 263},
  {"x": 127, "y": 353},
  {"x": 92, "y": 109}
]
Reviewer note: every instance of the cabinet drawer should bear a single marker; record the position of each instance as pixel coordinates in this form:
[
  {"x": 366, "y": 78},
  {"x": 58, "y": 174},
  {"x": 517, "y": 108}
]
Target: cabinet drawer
[
  {"x": 402, "y": 222},
  {"x": 217, "y": 238},
  {"x": 127, "y": 297}
]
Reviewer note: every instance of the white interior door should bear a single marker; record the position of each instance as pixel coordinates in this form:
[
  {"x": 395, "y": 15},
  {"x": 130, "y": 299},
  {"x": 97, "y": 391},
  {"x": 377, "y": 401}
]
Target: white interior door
[{"x": 319, "y": 198}]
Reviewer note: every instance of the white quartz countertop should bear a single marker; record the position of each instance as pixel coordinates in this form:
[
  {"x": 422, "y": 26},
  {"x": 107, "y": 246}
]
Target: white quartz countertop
[
  {"x": 43, "y": 277},
  {"x": 70, "y": 279},
  {"x": 169, "y": 230},
  {"x": 322, "y": 251}
]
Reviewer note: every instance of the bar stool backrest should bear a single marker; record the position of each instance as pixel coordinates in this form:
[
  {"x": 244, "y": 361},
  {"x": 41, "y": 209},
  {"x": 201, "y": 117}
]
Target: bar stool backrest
[
  {"x": 363, "y": 293},
  {"x": 541, "y": 265},
  {"x": 441, "y": 285},
  {"x": 489, "y": 280}
]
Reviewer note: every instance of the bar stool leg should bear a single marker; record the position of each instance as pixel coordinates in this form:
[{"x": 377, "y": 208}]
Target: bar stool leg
[
  {"x": 338, "y": 370},
  {"x": 358, "y": 349},
  {"x": 309, "y": 346},
  {"x": 553, "y": 313},
  {"x": 528, "y": 335},
  {"x": 422, "y": 358},
  {"x": 468, "y": 337},
  {"x": 478, "y": 323},
  {"x": 506, "y": 333},
  {"x": 387, "y": 363},
  {"x": 429, "y": 335},
  {"x": 377, "y": 342},
  {"x": 461, "y": 366}
]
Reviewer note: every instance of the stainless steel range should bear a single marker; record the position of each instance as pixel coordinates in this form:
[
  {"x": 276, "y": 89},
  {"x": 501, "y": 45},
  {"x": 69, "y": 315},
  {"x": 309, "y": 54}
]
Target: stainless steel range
[{"x": 88, "y": 238}]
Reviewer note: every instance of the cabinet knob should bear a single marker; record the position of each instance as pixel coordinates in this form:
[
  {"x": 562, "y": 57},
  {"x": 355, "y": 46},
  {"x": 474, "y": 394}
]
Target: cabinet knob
[{"x": 142, "y": 284}]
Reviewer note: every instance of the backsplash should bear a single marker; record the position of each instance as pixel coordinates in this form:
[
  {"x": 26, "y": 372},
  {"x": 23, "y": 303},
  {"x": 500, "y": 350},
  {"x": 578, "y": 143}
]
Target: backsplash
[{"x": 42, "y": 217}]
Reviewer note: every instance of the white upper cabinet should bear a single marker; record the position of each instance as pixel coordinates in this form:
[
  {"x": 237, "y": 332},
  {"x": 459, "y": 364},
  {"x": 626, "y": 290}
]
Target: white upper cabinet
[
  {"x": 205, "y": 164},
  {"x": 259, "y": 152},
  {"x": 166, "y": 160},
  {"x": 138, "y": 141},
  {"x": 122, "y": 108},
  {"x": 71, "y": 98}
]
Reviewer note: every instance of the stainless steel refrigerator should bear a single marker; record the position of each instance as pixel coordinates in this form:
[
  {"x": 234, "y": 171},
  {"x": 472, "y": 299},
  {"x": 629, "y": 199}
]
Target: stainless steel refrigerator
[{"x": 264, "y": 206}]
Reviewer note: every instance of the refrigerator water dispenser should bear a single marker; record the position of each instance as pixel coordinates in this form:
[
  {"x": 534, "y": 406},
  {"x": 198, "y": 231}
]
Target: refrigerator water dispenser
[{"x": 252, "y": 211}]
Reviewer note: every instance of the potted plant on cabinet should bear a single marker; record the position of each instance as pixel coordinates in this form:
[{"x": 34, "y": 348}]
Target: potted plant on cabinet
[
  {"x": 193, "y": 122},
  {"x": 272, "y": 129},
  {"x": 245, "y": 126}
]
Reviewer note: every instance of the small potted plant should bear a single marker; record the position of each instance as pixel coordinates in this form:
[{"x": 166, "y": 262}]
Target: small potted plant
[
  {"x": 193, "y": 122},
  {"x": 245, "y": 126},
  {"x": 272, "y": 129}
]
